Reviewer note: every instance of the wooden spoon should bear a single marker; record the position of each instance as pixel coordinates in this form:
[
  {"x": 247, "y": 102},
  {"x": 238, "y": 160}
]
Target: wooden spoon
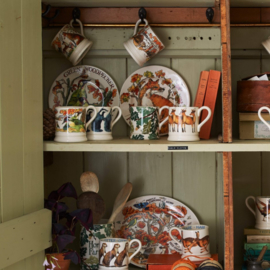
[
  {"x": 89, "y": 182},
  {"x": 120, "y": 201},
  {"x": 94, "y": 202}
]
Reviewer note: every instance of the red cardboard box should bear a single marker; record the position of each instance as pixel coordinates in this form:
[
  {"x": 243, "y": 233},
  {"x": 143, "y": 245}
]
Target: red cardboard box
[{"x": 165, "y": 261}]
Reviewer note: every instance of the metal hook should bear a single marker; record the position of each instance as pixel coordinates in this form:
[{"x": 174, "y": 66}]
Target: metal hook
[
  {"x": 48, "y": 8},
  {"x": 142, "y": 14},
  {"x": 76, "y": 13},
  {"x": 210, "y": 14}
]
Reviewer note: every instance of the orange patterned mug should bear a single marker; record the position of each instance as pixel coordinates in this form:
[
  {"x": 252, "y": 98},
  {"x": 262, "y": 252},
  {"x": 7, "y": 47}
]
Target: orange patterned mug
[{"x": 143, "y": 45}]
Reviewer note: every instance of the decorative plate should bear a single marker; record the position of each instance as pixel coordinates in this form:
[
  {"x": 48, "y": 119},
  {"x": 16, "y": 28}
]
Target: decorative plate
[
  {"x": 149, "y": 218},
  {"x": 83, "y": 86},
  {"x": 154, "y": 86}
]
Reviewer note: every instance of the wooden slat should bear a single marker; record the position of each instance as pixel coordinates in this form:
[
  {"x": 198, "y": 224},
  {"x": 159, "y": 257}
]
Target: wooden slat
[
  {"x": 226, "y": 71},
  {"x": 25, "y": 236},
  {"x": 155, "y": 15},
  {"x": 228, "y": 211}
]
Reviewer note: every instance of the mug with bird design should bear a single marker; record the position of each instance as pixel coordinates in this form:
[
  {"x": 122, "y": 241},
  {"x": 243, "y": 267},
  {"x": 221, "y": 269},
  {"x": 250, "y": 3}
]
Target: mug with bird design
[
  {"x": 195, "y": 241},
  {"x": 143, "y": 45},
  {"x": 101, "y": 127},
  {"x": 72, "y": 44},
  {"x": 184, "y": 122},
  {"x": 262, "y": 211},
  {"x": 114, "y": 252},
  {"x": 71, "y": 123}
]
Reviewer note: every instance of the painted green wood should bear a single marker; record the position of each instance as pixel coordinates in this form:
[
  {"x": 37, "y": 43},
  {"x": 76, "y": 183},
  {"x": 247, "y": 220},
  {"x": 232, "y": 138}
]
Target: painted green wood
[
  {"x": 112, "y": 172},
  {"x": 24, "y": 236},
  {"x": 219, "y": 207},
  {"x": 113, "y": 38},
  {"x": 194, "y": 184},
  {"x": 137, "y": 3},
  {"x": 246, "y": 182}
]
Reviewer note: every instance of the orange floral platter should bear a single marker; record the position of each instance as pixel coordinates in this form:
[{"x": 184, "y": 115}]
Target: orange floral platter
[
  {"x": 82, "y": 86},
  {"x": 156, "y": 86},
  {"x": 149, "y": 219}
]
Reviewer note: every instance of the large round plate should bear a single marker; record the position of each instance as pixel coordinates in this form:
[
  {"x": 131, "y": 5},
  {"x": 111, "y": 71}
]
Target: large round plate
[
  {"x": 149, "y": 218},
  {"x": 83, "y": 86},
  {"x": 154, "y": 86}
]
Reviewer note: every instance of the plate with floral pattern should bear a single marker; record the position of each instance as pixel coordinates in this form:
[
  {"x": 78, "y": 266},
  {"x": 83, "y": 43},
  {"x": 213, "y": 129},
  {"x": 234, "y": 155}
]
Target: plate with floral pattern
[
  {"x": 83, "y": 86},
  {"x": 156, "y": 86},
  {"x": 149, "y": 219}
]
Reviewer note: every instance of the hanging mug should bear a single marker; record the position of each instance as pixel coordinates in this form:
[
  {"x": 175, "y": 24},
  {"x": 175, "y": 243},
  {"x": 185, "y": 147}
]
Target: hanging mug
[
  {"x": 71, "y": 123},
  {"x": 114, "y": 253},
  {"x": 260, "y": 115},
  {"x": 195, "y": 240},
  {"x": 72, "y": 44},
  {"x": 262, "y": 211},
  {"x": 143, "y": 45},
  {"x": 184, "y": 122}
]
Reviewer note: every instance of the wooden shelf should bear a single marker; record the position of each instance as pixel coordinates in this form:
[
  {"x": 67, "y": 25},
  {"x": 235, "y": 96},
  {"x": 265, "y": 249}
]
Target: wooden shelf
[{"x": 162, "y": 145}]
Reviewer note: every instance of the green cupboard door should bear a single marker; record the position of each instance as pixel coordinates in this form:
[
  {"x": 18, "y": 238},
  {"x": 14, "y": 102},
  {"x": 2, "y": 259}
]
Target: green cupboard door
[{"x": 25, "y": 227}]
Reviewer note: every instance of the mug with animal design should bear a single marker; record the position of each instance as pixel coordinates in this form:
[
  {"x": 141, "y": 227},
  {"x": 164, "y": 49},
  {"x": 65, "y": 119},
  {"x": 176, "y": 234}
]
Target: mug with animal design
[
  {"x": 184, "y": 122},
  {"x": 195, "y": 241},
  {"x": 71, "y": 123},
  {"x": 262, "y": 211},
  {"x": 144, "y": 123},
  {"x": 115, "y": 253},
  {"x": 101, "y": 127},
  {"x": 72, "y": 44},
  {"x": 143, "y": 45},
  {"x": 89, "y": 244},
  {"x": 260, "y": 116}
]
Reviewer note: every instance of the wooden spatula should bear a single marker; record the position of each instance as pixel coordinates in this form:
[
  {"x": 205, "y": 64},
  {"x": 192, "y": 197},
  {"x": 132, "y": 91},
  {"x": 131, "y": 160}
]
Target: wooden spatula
[
  {"x": 89, "y": 182},
  {"x": 120, "y": 201},
  {"x": 94, "y": 202}
]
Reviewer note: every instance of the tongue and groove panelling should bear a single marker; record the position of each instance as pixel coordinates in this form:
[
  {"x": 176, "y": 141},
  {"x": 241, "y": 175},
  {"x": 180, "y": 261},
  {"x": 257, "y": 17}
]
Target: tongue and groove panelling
[{"x": 192, "y": 178}]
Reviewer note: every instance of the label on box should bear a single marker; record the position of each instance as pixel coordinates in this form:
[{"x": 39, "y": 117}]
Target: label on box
[{"x": 261, "y": 130}]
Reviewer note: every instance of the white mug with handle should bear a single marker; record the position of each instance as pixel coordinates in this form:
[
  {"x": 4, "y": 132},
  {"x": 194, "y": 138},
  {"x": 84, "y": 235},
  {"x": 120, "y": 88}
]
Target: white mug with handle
[
  {"x": 184, "y": 122},
  {"x": 114, "y": 253},
  {"x": 260, "y": 115},
  {"x": 262, "y": 211}
]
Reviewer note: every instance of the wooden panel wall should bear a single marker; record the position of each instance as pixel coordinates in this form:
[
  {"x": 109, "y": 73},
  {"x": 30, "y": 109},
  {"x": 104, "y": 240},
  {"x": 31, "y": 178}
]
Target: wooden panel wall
[
  {"x": 21, "y": 164},
  {"x": 192, "y": 178}
]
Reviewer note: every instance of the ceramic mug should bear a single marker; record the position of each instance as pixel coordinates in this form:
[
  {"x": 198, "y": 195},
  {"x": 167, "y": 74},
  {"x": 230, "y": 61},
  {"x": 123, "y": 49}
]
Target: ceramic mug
[
  {"x": 266, "y": 44},
  {"x": 101, "y": 127},
  {"x": 114, "y": 253},
  {"x": 71, "y": 123},
  {"x": 260, "y": 115},
  {"x": 262, "y": 211},
  {"x": 72, "y": 44},
  {"x": 184, "y": 122},
  {"x": 143, "y": 45},
  {"x": 195, "y": 241},
  {"x": 144, "y": 123},
  {"x": 89, "y": 243}
]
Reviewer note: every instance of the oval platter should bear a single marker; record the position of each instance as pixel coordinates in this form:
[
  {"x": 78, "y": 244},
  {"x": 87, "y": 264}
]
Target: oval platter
[
  {"x": 156, "y": 86},
  {"x": 82, "y": 86},
  {"x": 149, "y": 219}
]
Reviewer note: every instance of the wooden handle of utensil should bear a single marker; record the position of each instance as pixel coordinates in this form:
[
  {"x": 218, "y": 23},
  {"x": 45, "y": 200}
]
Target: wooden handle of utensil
[
  {"x": 89, "y": 182},
  {"x": 261, "y": 254}
]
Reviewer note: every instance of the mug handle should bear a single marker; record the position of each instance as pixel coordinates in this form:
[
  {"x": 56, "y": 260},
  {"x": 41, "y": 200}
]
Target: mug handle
[
  {"x": 91, "y": 119},
  {"x": 166, "y": 119},
  {"x": 118, "y": 116},
  {"x": 80, "y": 23},
  {"x": 170, "y": 233},
  {"x": 207, "y": 117},
  {"x": 139, "y": 248},
  {"x": 137, "y": 25},
  {"x": 260, "y": 116},
  {"x": 248, "y": 206}
]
